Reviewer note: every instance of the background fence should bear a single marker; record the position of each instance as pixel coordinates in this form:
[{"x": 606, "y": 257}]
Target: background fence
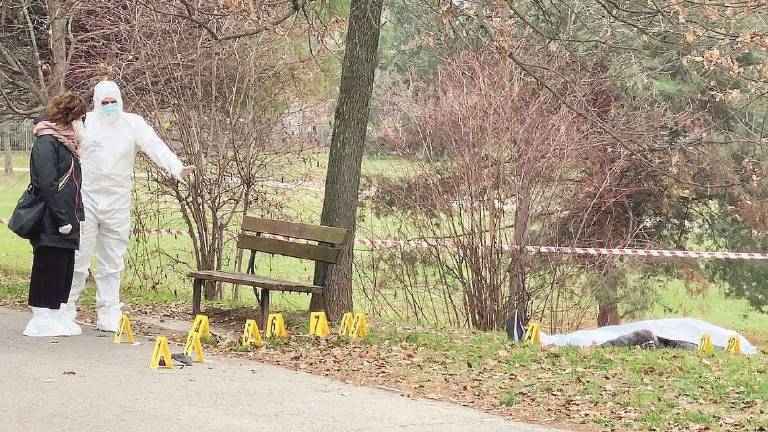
[{"x": 18, "y": 133}]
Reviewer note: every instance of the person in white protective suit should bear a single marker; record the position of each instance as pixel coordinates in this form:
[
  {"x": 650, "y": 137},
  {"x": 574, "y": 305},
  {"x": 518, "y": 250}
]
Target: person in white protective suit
[{"x": 112, "y": 139}]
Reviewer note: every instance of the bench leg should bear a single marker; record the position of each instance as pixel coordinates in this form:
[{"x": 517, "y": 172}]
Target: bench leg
[
  {"x": 197, "y": 294},
  {"x": 264, "y": 307}
]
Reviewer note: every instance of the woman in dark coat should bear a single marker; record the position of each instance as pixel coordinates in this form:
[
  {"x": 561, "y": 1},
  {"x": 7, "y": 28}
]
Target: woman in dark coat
[{"x": 55, "y": 176}]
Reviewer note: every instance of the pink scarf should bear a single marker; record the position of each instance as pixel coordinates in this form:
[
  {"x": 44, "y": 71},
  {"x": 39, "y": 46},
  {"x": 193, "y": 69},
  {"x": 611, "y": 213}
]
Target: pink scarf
[{"x": 67, "y": 136}]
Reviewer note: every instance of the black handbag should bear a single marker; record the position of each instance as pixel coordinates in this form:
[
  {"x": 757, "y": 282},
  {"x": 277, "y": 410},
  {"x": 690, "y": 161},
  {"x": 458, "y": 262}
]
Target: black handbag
[
  {"x": 27, "y": 214},
  {"x": 30, "y": 208}
]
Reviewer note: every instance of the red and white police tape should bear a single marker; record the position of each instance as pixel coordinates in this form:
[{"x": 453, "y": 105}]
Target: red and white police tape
[{"x": 423, "y": 244}]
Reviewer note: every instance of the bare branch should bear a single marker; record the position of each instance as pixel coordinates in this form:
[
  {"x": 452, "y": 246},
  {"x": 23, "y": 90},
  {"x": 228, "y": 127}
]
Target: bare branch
[
  {"x": 190, "y": 12},
  {"x": 35, "y": 50}
]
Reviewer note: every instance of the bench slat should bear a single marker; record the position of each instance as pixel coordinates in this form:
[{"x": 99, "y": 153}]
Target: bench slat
[
  {"x": 318, "y": 233},
  {"x": 255, "y": 281},
  {"x": 286, "y": 248}
]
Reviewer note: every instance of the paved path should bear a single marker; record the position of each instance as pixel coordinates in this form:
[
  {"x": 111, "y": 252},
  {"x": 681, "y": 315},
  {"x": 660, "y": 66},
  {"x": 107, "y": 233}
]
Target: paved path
[{"x": 113, "y": 389}]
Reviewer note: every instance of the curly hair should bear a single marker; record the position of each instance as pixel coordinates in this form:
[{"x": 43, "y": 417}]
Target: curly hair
[{"x": 65, "y": 109}]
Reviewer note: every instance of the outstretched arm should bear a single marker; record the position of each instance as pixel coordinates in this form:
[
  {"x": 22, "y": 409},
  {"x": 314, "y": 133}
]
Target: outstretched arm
[{"x": 154, "y": 147}]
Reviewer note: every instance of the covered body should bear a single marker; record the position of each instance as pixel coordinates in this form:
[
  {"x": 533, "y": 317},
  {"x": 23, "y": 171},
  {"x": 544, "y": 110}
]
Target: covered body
[{"x": 677, "y": 329}]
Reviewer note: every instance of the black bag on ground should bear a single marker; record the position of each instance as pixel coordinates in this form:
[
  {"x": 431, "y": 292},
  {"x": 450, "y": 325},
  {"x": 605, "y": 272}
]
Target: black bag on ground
[{"x": 27, "y": 214}]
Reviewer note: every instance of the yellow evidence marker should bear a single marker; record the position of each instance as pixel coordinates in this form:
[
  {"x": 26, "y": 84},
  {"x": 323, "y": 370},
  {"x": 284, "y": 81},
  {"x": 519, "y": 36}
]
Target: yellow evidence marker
[
  {"x": 318, "y": 324},
  {"x": 706, "y": 343},
  {"x": 276, "y": 326},
  {"x": 251, "y": 335},
  {"x": 194, "y": 344},
  {"x": 124, "y": 328},
  {"x": 346, "y": 325},
  {"x": 202, "y": 325},
  {"x": 533, "y": 335},
  {"x": 161, "y": 351},
  {"x": 359, "y": 326},
  {"x": 734, "y": 345}
]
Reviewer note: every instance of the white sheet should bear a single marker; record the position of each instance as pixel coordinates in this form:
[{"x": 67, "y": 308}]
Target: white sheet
[{"x": 682, "y": 329}]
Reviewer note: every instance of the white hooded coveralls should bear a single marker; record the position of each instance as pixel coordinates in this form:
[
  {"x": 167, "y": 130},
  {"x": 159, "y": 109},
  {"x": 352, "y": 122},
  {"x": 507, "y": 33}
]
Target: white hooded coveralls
[{"x": 109, "y": 155}]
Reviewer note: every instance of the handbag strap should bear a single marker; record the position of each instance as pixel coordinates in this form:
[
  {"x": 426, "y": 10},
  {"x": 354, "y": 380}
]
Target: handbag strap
[{"x": 63, "y": 181}]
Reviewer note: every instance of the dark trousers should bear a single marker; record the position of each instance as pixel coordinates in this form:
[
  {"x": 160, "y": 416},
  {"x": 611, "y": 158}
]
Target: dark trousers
[{"x": 51, "y": 279}]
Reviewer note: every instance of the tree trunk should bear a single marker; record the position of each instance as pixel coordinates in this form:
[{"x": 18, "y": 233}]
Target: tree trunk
[
  {"x": 608, "y": 314},
  {"x": 58, "y": 43},
  {"x": 5, "y": 138},
  {"x": 342, "y": 180},
  {"x": 518, "y": 303},
  {"x": 607, "y": 298}
]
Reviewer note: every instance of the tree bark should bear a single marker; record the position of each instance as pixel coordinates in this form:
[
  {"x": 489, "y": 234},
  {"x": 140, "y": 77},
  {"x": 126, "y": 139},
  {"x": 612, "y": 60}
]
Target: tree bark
[
  {"x": 607, "y": 299},
  {"x": 518, "y": 302},
  {"x": 608, "y": 314},
  {"x": 58, "y": 41},
  {"x": 5, "y": 137},
  {"x": 342, "y": 180}
]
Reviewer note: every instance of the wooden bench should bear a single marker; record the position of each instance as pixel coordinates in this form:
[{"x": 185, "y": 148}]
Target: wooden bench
[{"x": 311, "y": 242}]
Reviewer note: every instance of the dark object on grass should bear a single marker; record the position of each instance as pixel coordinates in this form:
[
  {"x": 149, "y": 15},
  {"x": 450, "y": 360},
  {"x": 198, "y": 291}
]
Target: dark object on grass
[
  {"x": 641, "y": 338},
  {"x": 515, "y": 328},
  {"x": 646, "y": 339},
  {"x": 671, "y": 343}
]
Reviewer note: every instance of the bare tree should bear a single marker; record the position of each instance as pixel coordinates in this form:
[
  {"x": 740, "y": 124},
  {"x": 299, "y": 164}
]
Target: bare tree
[
  {"x": 38, "y": 42},
  {"x": 503, "y": 161},
  {"x": 231, "y": 21},
  {"x": 215, "y": 103}
]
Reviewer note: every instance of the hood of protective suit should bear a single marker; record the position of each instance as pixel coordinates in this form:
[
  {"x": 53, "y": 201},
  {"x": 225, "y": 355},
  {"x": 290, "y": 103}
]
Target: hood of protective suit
[{"x": 103, "y": 90}]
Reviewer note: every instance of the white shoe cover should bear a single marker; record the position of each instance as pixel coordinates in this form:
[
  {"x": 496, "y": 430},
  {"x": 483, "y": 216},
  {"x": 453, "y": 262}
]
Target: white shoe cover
[
  {"x": 45, "y": 323},
  {"x": 68, "y": 320},
  {"x": 70, "y": 312},
  {"x": 108, "y": 317}
]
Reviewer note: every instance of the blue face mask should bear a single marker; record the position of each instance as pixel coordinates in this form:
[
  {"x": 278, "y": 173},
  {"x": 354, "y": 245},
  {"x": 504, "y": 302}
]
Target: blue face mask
[{"x": 111, "y": 109}]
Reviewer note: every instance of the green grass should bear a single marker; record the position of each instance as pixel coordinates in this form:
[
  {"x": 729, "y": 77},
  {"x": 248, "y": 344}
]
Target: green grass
[
  {"x": 510, "y": 399},
  {"x": 20, "y": 159},
  {"x": 15, "y": 253},
  {"x": 675, "y": 300},
  {"x": 150, "y": 281},
  {"x": 315, "y": 165},
  {"x": 153, "y": 281},
  {"x": 664, "y": 386},
  {"x": 624, "y": 388}
]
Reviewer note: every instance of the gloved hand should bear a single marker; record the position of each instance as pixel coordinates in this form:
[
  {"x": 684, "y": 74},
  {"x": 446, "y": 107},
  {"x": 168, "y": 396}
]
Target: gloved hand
[
  {"x": 66, "y": 229},
  {"x": 186, "y": 171},
  {"x": 185, "y": 174}
]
